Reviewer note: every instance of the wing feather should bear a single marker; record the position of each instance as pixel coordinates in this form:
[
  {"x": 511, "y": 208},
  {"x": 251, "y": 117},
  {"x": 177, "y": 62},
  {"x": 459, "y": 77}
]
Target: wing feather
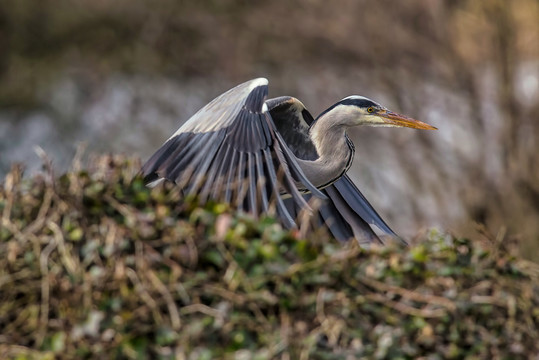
[
  {"x": 202, "y": 170},
  {"x": 240, "y": 181},
  {"x": 360, "y": 229},
  {"x": 262, "y": 184},
  {"x": 229, "y": 189},
  {"x": 359, "y": 204},
  {"x": 338, "y": 227},
  {"x": 213, "y": 188},
  {"x": 251, "y": 176}
]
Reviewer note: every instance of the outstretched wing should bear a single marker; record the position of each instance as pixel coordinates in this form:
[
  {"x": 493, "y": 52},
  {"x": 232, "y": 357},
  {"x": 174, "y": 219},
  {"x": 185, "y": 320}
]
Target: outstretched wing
[
  {"x": 230, "y": 151},
  {"x": 346, "y": 213}
]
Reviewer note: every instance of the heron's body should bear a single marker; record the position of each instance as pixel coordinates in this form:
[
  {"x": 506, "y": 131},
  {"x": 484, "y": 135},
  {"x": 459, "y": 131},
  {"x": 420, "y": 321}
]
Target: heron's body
[{"x": 246, "y": 151}]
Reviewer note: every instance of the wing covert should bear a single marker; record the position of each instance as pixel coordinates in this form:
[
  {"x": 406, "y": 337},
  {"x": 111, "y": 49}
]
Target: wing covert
[{"x": 292, "y": 120}]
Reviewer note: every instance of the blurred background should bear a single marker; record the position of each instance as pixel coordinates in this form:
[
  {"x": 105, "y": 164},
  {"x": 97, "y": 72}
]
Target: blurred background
[{"x": 122, "y": 75}]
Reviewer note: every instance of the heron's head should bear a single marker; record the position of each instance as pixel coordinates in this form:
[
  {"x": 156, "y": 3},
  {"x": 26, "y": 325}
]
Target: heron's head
[{"x": 358, "y": 110}]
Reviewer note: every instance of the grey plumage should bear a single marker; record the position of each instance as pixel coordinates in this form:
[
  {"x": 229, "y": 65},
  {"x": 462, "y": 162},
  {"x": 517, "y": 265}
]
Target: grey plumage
[{"x": 256, "y": 154}]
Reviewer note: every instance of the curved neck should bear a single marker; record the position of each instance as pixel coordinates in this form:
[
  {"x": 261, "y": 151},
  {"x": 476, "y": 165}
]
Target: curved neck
[{"x": 335, "y": 153}]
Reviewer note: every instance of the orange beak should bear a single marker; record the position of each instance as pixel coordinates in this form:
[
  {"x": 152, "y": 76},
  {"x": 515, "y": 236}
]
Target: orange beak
[{"x": 395, "y": 119}]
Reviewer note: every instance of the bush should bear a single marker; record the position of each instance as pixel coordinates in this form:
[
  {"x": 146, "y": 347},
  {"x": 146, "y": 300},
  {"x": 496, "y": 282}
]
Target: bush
[{"x": 96, "y": 265}]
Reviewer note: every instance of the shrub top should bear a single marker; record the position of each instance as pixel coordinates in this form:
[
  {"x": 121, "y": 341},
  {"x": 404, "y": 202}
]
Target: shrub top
[{"x": 94, "y": 264}]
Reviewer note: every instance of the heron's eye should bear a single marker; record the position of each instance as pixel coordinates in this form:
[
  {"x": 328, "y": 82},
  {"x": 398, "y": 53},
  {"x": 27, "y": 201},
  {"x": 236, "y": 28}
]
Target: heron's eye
[{"x": 370, "y": 109}]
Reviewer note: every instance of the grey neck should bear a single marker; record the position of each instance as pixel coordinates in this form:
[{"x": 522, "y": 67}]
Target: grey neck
[{"x": 335, "y": 153}]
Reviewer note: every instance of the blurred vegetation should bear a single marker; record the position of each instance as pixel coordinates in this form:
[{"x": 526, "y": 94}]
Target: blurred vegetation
[
  {"x": 96, "y": 265},
  {"x": 469, "y": 67},
  {"x": 444, "y": 41}
]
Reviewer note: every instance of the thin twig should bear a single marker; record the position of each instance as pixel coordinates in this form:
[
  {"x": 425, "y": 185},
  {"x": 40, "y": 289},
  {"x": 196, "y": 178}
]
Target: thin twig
[
  {"x": 201, "y": 308},
  {"x": 408, "y": 294},
  {"x": 45, "y": 291},
  {"x": 171, "y": 305},
  {"x": 144, "y": 294},
  {"x": 405, "y": 309},
  {"x": 40, "y": 219},
  {"x": 67, "y": 259}
]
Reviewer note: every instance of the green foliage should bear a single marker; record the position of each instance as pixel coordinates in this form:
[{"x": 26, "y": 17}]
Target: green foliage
[{"x": 96, "y": 265}]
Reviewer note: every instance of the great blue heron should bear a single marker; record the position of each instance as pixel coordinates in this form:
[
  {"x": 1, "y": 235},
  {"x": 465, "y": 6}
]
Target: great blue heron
[{"x": 259, "y": 154}]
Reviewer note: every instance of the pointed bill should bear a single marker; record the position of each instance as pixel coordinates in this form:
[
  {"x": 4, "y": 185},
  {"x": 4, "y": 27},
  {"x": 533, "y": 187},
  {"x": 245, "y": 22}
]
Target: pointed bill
[{"x": 399, "y": 120}]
